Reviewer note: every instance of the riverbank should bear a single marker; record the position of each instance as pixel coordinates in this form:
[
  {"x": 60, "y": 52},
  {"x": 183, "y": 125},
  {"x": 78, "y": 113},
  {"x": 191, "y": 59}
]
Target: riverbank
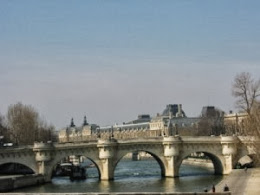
[
  {"x": 253, "y": 184},
  {"x": 12, "y": 182},
  {"x": 241, "y": 182}
]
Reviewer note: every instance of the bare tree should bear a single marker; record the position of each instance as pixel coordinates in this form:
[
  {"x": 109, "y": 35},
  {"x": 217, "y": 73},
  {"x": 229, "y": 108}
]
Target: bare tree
[
  {"x": 22, "y": 123},
  {"x": 46, "y": 132},
  {"x": 188, "y": 131},
  {"x": 1, "y": 125},
  {"x": 256, "y": 131},
  {"x": 25, "y": 126},
  {"x": 252, "y": 130},
  {"x": 211, "y": 122},
  {"x": 4, "y": 137},
  {"x": 246, "y": 90},
  {"x": 256, "y": 120}
]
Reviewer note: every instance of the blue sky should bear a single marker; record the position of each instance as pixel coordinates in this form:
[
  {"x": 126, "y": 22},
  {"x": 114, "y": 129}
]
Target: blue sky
[{"x": 112, "y": 60}]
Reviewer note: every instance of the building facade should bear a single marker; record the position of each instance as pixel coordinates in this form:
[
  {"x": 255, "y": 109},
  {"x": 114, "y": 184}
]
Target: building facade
[
  {"x": 172, "y": 121},
  {"x": 167, "y": 123}
]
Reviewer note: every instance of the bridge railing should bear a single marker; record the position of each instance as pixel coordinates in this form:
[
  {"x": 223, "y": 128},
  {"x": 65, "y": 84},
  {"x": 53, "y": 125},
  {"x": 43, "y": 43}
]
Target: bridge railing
[{"x": 120, "y": 135}]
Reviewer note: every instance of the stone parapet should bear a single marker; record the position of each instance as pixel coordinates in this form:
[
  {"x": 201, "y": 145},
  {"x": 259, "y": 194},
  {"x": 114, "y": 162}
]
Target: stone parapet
[
  {"x": 229, "y": 145},
  {"x": 134, "y": 193},
  {"x": 42, "y": 146},
  {"x": 42, "y": 151},
  {"x": 9, "y": 184},
  {"x": 229, "y": 139},
  {"x": 42, "y": 156},
  {"x": 107, "y": 142},
  {"x": 201, "y": 139},
  {"x": 106, "y": 148},
  {"x": 171, "y": 145}
]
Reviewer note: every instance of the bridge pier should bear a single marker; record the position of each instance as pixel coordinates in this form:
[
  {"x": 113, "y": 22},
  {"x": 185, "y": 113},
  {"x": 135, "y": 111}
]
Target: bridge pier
[
  {"x": 229, "y": 150},
  {"x": 170, "y": 167},
  {"x": 107, "y": 151},
  {"x": 42, "y": 157},
  {"x": 107, "y": 171},
  {"x": 227, "y": 169},
  {"x": 171, "y": 152}
]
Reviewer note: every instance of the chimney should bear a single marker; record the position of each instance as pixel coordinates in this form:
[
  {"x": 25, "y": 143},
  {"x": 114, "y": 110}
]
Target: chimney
[{"x": 179, "y": 114}]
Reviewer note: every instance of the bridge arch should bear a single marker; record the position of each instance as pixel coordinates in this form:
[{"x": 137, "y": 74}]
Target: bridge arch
[
  {"x": 153, "y": 154},
  {"x": 58, "y": 158},
  {"x": 217, "y": 160},
  {"x": 15, "y": 168},
  {"x": 28, "y": 162}
]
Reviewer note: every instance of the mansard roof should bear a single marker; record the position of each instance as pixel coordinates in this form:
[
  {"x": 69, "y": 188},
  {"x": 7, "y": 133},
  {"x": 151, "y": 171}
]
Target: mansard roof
[{"x": 173, "y": 109}]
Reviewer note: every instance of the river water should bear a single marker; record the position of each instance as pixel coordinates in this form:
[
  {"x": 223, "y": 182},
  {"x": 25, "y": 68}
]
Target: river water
[{"x": 134, "y": 176}]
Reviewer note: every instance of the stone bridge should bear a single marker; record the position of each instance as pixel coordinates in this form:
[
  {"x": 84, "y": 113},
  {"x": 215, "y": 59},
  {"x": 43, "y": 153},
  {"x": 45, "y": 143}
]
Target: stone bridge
[{"x": 169, "y": 152}]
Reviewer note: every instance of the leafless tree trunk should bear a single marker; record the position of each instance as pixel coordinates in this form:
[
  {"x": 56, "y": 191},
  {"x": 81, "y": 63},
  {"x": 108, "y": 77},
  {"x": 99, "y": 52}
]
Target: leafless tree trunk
[
  {"x": 253, "y": 129},
  {"x": 22, "y": 122},
  {"x": 246, "y": 90},
  {"x": 4, "y": 137},
  {"x": 211, "y": 123},
  {"x": 25, "y": 125}
]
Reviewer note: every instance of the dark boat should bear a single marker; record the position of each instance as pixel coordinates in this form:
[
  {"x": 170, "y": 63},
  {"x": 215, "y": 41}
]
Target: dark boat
[
  {"x": 78, "y": 173},
  {"x": 75, "y": 172},
  {"x": 63, "y": 169}
]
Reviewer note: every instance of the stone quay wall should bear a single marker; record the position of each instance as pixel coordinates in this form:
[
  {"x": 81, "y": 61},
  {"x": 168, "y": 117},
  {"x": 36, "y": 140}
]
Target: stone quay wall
[{"x": 12, "y": 183}]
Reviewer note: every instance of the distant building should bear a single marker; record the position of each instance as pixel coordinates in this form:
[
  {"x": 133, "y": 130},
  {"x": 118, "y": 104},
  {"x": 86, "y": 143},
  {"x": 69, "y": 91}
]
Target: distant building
[
  {"x": 235, "y": 122},
  {"x": 174, "y": 114},
  {"x": 167, "y": 123},
  {"x": 208, "y": 111},
  {"x": 73, "y": 133},
  {"x": 211, "y": 112},
  {"x": 142, "y": 118},
  {"x": 142, "y": 125},
  {"x": 173, "y": 110},
  {"x": 170, "y": 122}
]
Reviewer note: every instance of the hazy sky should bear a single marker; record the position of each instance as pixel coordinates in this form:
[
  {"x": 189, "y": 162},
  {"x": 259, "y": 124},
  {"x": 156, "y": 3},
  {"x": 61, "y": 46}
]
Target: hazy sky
[{"x": 112, "y": 60}]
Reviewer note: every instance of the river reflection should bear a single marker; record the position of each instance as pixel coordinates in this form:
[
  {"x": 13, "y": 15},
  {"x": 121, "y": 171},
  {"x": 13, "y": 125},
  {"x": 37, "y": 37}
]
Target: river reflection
[{"x": 135, "y": 176}]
